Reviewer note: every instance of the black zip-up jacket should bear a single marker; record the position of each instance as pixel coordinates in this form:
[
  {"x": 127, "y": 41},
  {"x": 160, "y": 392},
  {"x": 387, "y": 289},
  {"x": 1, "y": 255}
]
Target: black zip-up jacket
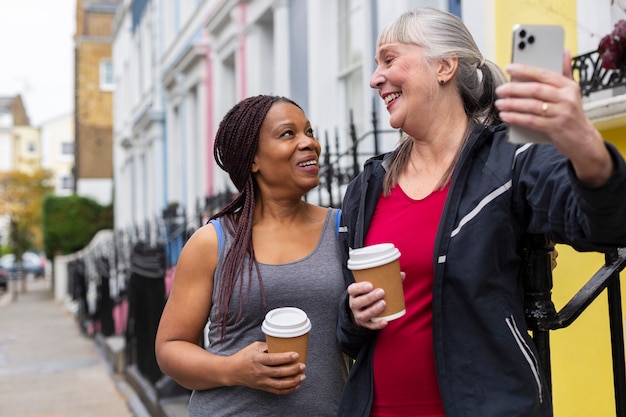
[{"x": 485, "y": 360}]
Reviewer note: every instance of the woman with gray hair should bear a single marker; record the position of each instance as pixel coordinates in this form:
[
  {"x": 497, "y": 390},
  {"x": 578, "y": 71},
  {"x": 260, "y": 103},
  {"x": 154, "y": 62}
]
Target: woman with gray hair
[{"x": 456, "y": 198}]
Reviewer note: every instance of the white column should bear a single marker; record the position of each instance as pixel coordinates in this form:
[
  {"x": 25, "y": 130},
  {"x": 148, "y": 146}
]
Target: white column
[{"x": 281, "y": 48}]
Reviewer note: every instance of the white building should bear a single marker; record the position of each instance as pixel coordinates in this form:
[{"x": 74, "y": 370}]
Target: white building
[
  {"x": 6, "y": 137},
  {"x": 180, "y": 65},
  {"x": 13, "y": 116},
  {"x": 19, "y": 145},
  {"x": 57, "y": 141}
]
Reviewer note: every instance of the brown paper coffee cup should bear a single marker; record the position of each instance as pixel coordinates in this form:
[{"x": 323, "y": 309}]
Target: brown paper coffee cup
[
  {"x": 380, "y": 265},
  {"x": 287, "y": 330},
  {"x": 288, "y": 344}
]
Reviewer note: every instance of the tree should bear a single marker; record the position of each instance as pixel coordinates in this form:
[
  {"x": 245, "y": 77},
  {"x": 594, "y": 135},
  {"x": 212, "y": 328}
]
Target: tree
[
  {"x": 21, "y": 197},
  {"x": 69, "y": 223}
]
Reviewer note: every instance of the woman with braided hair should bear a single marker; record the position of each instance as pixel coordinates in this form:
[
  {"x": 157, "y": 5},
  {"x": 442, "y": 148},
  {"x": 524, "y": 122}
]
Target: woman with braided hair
[{"x": 268, "y": 248}]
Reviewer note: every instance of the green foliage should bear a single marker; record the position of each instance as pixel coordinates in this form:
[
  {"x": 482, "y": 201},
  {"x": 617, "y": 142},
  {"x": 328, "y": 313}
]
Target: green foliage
[
  {"x": 4, "y": 249},
  {"x": 69, "y": 223}
]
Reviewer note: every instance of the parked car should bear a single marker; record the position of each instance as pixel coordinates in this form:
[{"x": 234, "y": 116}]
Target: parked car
[
  {"x": 31, "y": 262},
  {"x": 4, "y": 279}
]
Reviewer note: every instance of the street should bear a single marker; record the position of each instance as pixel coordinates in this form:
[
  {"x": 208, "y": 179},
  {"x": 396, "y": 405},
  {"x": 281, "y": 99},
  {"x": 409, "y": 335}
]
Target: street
[{"x": 48, "y": 368}]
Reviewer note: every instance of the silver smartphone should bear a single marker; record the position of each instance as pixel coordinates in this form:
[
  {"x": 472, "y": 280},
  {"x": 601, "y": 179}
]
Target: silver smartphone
[{"x": 538, "y": 46}]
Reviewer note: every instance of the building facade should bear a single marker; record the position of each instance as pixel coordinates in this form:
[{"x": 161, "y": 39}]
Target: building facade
[
  {"x": 27, "y": 152},
  {"x": 57, "y": 142},
  {"x": 180, "y": 65},
  {"x": 19, "y": 145},
  {"x": 12, "y": 115},
  {"x": 93, "y": 100}
]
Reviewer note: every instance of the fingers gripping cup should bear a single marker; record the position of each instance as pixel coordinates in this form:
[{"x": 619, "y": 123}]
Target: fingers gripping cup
[
  {"x": 287, "y": 330},
  {"x": 380, "y": 265}
]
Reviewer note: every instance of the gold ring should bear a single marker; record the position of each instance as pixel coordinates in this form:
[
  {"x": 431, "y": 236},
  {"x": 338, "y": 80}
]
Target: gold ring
[{"x": 544, "y": 109}]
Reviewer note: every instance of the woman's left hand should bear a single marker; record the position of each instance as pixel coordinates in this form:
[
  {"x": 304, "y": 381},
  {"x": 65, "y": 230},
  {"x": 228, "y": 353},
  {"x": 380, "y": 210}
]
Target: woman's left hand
[{"x": 551, "y": 103}]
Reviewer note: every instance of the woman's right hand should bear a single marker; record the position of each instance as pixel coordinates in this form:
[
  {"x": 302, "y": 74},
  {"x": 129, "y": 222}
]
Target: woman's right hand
[
  {"x": 277, "y": 373},
  {"x": 366, "y": 302}
]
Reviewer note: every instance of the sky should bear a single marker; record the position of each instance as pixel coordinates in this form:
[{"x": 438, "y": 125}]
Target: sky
[{"x": 37, "y": 55}]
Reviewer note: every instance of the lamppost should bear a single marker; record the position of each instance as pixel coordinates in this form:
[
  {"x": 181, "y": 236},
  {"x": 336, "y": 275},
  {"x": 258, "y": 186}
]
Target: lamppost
[{"x": 18, "y": 261}]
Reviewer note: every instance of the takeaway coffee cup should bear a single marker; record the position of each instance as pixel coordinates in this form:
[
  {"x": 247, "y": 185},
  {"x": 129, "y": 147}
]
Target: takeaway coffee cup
[
  {"x": 380, "y": 265},
  {"x": 287, "y": 330}
]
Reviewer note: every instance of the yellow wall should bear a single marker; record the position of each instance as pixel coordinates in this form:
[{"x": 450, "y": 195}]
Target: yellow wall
[
  {"x": 617, "y": 137},
  {"x": 582, "y": 376},
  {"x": 536, "y": 12},
  {"x": 581, "y": 354}
]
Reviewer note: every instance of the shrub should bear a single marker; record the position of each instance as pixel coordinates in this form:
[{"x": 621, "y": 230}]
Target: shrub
[{"x": 69, "y": 223}]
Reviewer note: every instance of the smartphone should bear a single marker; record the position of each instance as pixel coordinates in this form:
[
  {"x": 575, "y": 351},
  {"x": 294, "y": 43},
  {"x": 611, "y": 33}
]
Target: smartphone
[{"x": 538, "y": 46}]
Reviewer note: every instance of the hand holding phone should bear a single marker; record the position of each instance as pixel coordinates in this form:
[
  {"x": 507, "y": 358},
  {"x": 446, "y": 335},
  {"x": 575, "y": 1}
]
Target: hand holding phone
[{"x": 538, "y": 46}]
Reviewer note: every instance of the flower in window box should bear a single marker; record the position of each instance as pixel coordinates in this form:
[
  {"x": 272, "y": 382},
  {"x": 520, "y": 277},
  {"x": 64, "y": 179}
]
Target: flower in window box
[{"x": 612, "y": 48}]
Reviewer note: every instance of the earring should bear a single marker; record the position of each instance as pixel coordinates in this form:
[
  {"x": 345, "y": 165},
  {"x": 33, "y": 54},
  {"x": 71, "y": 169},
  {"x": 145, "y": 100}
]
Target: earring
[{"x": 442, "y": 82}]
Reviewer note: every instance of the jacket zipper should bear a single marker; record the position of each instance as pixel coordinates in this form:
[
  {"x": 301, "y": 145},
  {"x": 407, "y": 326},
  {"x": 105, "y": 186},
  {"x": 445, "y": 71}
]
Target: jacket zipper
[{"x": 527, "y": 352}]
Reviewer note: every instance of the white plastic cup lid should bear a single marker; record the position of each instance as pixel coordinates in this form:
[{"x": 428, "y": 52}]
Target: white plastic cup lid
[
  {"x": 372, "y": 256},
  {"x": 286, "y": 322}
]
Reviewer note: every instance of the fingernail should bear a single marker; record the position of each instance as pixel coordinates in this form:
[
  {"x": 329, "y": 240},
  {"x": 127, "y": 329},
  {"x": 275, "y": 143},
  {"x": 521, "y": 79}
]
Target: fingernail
[{"x": 302, "y": 367}]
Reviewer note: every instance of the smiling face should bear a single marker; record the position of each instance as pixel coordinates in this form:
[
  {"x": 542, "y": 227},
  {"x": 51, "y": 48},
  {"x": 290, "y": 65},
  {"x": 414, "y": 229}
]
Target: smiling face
[
  {"x": 407, "y": 83},
  {"x": 287, "y": 155}
]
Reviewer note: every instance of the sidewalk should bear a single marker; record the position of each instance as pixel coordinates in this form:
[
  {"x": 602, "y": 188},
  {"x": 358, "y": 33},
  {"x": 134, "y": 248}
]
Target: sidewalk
[{"x": 48, "y": 368}]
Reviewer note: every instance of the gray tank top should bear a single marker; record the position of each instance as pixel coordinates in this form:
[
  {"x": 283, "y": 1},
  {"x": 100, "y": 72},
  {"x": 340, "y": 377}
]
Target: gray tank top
[{"x": 313, "y": 284}]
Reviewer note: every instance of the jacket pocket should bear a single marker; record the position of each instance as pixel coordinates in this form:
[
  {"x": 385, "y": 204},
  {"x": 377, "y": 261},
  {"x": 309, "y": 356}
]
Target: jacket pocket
[{"x": 527, "y": 352}]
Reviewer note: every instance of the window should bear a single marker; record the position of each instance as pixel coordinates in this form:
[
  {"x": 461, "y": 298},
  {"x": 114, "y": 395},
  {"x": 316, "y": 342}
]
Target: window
[
  {"x": 351, "y": 20},
  {"x": 106, "y": 75},
  {"x": 6, "y": 118},
  {"x": 67, "y": 183},
  {"x": 67, "y": 148},
  {"x": 32, "y": 147},
  {"x": 351, "y": 23}
]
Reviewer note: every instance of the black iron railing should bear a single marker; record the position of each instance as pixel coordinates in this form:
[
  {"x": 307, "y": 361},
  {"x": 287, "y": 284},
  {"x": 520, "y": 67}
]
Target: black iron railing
[
  {"x": 542, "y": 317},
  {"x": 588, "y": 71}
]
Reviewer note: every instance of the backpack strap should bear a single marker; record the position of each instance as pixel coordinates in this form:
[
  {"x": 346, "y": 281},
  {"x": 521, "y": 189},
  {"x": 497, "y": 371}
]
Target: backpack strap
[{"x": 337, "y": 220}]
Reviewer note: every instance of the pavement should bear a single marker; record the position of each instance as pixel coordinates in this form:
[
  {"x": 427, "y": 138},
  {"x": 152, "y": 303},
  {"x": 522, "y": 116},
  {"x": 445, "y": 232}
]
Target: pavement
[{"x": 48, "y": 368}]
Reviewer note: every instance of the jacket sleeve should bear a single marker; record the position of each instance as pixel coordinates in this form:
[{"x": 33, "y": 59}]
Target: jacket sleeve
[
  {"x": 557, "y": 203},
  {"x": 351, "y": 337}
]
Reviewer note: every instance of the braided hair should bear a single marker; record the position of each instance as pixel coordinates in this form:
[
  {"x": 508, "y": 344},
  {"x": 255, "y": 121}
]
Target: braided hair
[{"x": 234, "y": 150}]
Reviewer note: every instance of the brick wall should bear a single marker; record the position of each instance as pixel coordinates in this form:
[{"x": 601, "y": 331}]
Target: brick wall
[{"x": 93, "y": 107}]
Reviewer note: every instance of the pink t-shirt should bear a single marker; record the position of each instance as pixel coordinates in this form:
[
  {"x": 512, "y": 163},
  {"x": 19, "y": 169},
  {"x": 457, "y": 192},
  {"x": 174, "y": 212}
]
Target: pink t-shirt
[{"x": 405, "y": 382}]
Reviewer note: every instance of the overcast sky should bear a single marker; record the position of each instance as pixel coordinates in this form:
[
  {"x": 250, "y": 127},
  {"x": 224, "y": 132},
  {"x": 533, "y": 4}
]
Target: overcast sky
[{"x": 36, "y": 55}]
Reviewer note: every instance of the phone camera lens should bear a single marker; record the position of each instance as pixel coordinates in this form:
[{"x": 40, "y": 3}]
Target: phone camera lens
[
  {"x": 522, "y": 33},
  {"x": 521, "y": 45},
  {"x": 531, "y": 39}
]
